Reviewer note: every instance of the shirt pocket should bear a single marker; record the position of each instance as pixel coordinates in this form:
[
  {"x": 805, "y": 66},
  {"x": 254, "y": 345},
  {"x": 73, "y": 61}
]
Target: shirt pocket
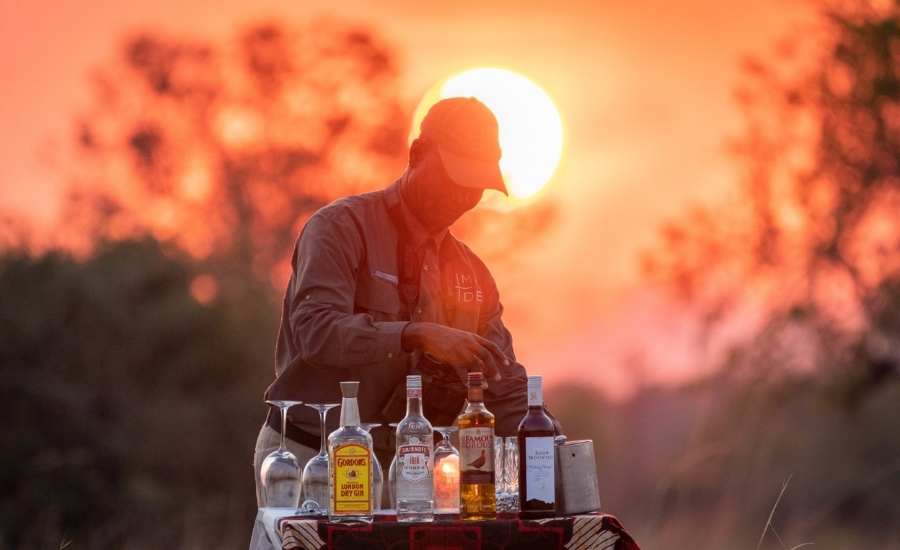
[{"x": 377, "y": 297}]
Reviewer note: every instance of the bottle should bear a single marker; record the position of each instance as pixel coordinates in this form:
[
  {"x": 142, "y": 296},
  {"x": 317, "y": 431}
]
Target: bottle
[
  {"x": 537, "y": 457},
  {"x": 350, "y": 463},
  {"x": 476, "y": 455},
  {"x": 415, "y": 456}
]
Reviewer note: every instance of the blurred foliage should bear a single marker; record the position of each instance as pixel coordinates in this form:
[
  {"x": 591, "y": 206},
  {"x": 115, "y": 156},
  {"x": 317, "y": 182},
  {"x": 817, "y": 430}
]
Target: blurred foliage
[
  {"x": 811, "y": 245},
  {"x": 133, "y": 406},
  {"x": 809, "y": 250},
  {"x": 701, "y": 466},
  {"x": 224, "y": 148},
  {"x": 134, "y": 371}
]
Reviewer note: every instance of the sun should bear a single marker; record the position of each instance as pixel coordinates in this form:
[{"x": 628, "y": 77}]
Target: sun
[{"x": 531, "y": 131}]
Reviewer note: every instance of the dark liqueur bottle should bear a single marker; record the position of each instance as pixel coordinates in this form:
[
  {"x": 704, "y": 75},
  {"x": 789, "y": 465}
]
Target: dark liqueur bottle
[{"x": 537, "y": 457}]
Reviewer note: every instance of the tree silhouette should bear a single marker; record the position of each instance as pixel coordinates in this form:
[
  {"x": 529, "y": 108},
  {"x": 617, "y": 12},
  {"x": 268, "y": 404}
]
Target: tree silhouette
[
  {"x": 813, "y": 239},
  {"x": 224, "y": 149},
  {"x": 128, "y": 399}
]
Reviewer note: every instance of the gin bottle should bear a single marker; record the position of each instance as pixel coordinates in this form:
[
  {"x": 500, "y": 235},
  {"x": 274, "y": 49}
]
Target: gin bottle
[
  {"x": 350, "y": 463},
  {"x": 415, "y": 467},
  {"x": 476, "y": 455}
]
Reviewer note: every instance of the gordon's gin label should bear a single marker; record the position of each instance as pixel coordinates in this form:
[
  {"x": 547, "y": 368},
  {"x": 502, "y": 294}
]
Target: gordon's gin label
[{"x": 352, "y": 479}]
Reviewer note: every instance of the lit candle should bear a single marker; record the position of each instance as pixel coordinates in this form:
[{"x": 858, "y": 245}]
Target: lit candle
[{"x": 446, "y": 485}]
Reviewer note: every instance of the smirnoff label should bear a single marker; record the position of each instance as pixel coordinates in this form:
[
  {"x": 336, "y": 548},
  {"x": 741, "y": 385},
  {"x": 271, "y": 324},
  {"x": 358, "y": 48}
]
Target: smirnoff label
[
  {"x": 352, "y": 474},
  {"x": 476, "y": 455},
  {"x": 413, "y": 460}
]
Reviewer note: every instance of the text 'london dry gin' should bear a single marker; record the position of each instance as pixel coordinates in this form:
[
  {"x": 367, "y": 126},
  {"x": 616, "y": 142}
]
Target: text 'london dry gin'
[
  {"x": 537, "y": 457},
  {"x": 476, "y": 455},
  {"x": 350, "y": 463},
  {"x": 415, "y": 467}
]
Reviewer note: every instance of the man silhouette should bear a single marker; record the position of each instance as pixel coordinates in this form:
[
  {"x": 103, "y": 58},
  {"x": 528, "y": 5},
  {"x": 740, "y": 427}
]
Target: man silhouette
[{"x": 381, "y": 289}]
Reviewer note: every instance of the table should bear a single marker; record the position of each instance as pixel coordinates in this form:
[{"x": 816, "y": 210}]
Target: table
[{"x": 581, "y": 532}]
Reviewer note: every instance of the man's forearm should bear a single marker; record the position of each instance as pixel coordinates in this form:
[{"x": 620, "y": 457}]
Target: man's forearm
[
  {"x": 328, "y": 338},
  {"x": 413, "y": 335}
]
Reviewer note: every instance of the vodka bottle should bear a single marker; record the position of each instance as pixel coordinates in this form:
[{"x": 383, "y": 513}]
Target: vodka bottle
[
  {"x": 415, "y": 467},
  {"x": 350, "y": 463},
  {"x": 476, "y": 455},
  {"x": 537, "y": 457}
]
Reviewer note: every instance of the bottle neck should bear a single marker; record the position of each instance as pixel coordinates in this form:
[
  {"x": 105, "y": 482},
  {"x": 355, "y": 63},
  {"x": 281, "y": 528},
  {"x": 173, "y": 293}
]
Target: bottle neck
[
  {"x": 535, "y": 396},
  {"x": 414, "y": 405},
  {"x": 349, "y": 412},
  {"x": 476, "y": 395}
]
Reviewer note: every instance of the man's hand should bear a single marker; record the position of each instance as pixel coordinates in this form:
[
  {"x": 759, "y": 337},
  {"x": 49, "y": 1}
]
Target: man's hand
[{"x": 458, "y": 348}]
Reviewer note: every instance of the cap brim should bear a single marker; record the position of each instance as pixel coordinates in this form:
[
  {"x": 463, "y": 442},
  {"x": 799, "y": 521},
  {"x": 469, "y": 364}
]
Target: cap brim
[{"x": 472, "y": 172}]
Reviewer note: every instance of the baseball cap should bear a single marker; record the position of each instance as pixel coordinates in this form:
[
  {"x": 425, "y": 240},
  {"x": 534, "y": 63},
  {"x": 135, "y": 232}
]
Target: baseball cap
[{"x": 467, "y": 135}]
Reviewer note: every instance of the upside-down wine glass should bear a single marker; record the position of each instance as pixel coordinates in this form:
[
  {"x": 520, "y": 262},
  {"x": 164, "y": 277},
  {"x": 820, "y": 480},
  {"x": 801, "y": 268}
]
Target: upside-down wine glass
[
  {"x": 280, "y": 472},
  {"x": 392, "y": 474},
  {"x": 315, "y": 473},
  {"x": 377, "y": 474},
  {"x": 499, "y": 473},
  {"x": 511, "y": 474}
]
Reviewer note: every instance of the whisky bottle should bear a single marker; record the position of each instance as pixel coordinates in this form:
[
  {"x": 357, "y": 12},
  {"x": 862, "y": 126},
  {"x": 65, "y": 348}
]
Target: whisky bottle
[
  {"x": 476, "y": 455},
  {"x": 350, "y": 463},
  {"x": 415, "y": 467},
  {"x": 537, "y": 457}
]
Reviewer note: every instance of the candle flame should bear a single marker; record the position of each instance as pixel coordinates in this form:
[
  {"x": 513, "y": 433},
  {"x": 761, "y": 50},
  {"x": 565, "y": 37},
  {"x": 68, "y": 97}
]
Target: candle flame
[{"x": 449, "y": 466}]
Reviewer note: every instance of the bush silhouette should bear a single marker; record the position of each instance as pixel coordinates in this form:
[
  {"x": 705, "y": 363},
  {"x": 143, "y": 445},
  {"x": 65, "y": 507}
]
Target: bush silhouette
[{"x": 130, "y": 402}]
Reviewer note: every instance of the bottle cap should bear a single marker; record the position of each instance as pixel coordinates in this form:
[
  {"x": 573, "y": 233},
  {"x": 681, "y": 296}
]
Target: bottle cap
[
  {"x": 475, "y": 378},
  {"x": 413, "y": 381},
  {"x": 535, "y": 394},
  {"x": 350, "y": 389}
]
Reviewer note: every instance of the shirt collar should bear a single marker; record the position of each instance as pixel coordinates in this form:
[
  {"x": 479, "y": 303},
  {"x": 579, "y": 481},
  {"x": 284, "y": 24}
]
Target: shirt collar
[{"x": 418, "y": 235}]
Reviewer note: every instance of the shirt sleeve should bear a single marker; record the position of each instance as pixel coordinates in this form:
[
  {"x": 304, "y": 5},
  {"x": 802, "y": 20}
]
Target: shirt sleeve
[
  {"x": 508, "y": 398},
  {"x": 324, "y": 327}
]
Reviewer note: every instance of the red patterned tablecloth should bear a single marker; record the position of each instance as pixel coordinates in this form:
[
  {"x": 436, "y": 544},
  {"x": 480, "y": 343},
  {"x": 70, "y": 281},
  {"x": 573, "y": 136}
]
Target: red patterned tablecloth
[{"x": 582, "y": 532}]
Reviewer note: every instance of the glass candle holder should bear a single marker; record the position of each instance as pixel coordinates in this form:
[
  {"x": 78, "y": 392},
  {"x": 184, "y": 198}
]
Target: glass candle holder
[{"x": 446, "y": 473}]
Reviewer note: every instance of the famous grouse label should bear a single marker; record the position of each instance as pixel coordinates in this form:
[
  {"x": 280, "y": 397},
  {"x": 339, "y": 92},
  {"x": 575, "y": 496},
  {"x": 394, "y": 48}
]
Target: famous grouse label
[
  {"x": 476, "y": 455},
  {"x": 351, "y": 482}
]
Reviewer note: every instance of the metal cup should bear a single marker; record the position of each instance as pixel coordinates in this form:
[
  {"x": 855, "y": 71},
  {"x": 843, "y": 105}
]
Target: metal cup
[{"x": 577, "y": 477}]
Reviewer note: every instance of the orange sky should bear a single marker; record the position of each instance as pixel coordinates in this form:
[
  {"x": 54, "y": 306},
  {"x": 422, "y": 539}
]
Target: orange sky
[{"x": 644, "y": 89}]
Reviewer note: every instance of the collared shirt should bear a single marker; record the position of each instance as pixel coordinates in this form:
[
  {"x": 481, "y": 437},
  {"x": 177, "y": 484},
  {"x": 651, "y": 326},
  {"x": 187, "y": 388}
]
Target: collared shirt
[
  {"x": 418, "y": 235},
  {"x": 429, "y": 306},
  {"x": 343, "y": 316}
]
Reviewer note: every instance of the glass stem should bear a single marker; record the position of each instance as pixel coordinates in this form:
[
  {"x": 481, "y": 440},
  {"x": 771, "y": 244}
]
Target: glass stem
[
  {"x": 322, "y": 413},
  {"x": 284, "y": 411}
]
